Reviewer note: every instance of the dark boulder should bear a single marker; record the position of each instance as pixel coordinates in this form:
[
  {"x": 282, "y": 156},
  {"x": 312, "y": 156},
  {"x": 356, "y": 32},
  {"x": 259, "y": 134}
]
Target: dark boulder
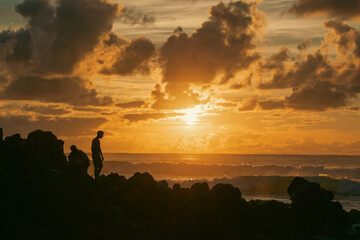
[
  {"x": 314, "y": 210},
  {"x": 40, "y": 150},
  {"x": 305, "y": 194},
  {"x": 46, "y": 149},
  {"x": 226, "y": 194}
]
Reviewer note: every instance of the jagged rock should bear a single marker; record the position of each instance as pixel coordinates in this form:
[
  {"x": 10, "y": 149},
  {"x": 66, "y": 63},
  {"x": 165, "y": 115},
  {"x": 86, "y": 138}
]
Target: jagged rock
[
  {"x": 40, "y": 149},
  {"x": 45, "y": 148},
  {"x": 305, "y": 194},
  {"x": 59, "y": 204},
  {"x": 314, "y": 210}
]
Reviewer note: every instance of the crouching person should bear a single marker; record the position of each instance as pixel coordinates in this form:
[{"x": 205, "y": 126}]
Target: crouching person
[{"x": 78, "y": 160}]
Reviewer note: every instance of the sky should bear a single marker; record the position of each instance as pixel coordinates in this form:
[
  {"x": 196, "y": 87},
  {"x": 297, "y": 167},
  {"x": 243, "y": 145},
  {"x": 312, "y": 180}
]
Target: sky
[{"x": 184, "y": 76}]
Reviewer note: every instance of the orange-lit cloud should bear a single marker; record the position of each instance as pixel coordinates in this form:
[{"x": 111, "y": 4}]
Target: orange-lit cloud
[
  {"x": 334, "y": 8},
  {"x": 126, "y": 71}
]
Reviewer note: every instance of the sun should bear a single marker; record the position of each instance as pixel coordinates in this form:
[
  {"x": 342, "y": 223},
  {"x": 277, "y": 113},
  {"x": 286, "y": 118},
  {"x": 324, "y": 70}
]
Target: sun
[{"x": 191, "y": 116}]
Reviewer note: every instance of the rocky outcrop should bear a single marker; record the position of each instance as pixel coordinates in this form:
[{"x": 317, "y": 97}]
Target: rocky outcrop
[
  {"x": 42, "y": 199},
  {"x": 40, "y": 149}
]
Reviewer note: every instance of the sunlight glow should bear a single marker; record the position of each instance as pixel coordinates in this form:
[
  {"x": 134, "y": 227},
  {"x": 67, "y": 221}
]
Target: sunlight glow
[{"x": 191, "y": 115}]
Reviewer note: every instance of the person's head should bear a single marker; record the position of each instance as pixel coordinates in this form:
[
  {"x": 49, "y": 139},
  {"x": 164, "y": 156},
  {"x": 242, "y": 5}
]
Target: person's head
[
  {"x": 100, "y": 134},
  {"x": 73, "y": 148}
]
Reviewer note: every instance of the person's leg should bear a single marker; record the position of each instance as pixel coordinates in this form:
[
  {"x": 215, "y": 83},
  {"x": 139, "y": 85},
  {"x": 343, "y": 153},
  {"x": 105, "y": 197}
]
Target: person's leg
[
  {"x": 96, "y": 170},
  {"x": 100, "y": 167},
  {"x": 97, "y": 162}
]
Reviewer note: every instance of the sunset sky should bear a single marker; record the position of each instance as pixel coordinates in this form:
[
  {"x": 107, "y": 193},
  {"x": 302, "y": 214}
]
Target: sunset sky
[{"x": 184, "y": 76}]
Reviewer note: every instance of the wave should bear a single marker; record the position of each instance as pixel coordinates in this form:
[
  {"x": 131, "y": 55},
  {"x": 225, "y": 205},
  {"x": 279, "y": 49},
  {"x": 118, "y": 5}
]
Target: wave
[
  {"x": 211, "y": 171},
  {"x": 277, "y": 185}
]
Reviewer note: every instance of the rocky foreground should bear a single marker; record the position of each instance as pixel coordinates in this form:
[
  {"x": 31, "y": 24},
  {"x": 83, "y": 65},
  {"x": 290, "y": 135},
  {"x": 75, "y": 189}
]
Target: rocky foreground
[{"x": 41, "y": 198}]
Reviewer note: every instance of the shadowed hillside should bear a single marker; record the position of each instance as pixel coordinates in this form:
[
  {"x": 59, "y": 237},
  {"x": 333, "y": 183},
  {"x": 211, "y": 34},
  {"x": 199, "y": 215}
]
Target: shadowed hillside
[{"x": 43, "y": 199}]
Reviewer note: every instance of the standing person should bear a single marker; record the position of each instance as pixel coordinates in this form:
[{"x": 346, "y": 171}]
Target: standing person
[{"x": 97, "y": 155}]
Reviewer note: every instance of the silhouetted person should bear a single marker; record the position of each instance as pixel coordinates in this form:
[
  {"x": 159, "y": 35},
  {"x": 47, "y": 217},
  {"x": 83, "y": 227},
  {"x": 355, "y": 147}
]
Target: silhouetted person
[
  {"x": 78, "y": 160},
  {"x": 97, "y": 155}
]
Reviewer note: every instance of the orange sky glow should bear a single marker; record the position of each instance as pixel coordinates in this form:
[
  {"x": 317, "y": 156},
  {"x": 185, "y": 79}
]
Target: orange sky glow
[{"x": 202, "y": 76}]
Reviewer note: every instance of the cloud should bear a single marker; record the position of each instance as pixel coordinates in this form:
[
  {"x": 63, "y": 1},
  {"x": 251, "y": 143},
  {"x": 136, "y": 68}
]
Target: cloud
[
  {"x": 227, "y": 104},
  {"x": 304, "y": 45},
  {"x": 315, "y": 66},
  {"x": 345, "y": 37},
  {"x": 276, "y": 60},
  {"x": 319, "y": 82},
  {"x": 134, "y": 58},
  {"x": 70, "y": 127},
  {"x": 214, "y": 53},
  {"x": 63, "y": 34},
  {"x": 38, "y": 61},
  {"x": 115, "y": 40},
  {"x": 136, "y": 117},
  {"x": 46, "y": 110},
  {"x": 248, "y": 104},
  {"x": 135, "y": 104},
  {"x": 87, "y": 109},
  {"x": 252, "y": 103},
  {"x": 344, "y": 9},
  {"x": 65, "y": 90},
  {"x": 130, "y": 15},
  {"x": 186, "y": 98},
  {"x": 272, "y": 104},
  {"x": 320, "y": 97},
  {"x": 15, "y": 46}
]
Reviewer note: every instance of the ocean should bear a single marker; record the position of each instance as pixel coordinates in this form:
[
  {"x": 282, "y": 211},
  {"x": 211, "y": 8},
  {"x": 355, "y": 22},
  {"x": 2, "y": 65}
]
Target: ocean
[{"x": 258, "y": 176}]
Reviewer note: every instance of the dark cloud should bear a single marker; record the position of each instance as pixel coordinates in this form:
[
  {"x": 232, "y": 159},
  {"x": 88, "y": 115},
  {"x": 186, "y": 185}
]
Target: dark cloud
[
  {"x": 135, "y": 104},
  {"x": 71, "y": 127},
  {"x": 346, "y": 35},
  {"x": 237, "y": 86},
  {"x": 63, "y": 34},
  {"x": 15, "y": 46},
  {"x": 252, "y": 103},
  {"x": 248, "y": 104},
  {"x": 133, "y": 59},
  {"x": 316, "y": 66},
  {"x": 136, "y": 117},
  {"x": 277, "y": 60},
  {"x": 115, "y": 40},
  {"x": 320, "y": 97},
  {"x": 45, "y": 110},
  {"x": 4, "y": 78},
  {"x": 271, "y": 104},
  {"x": 223, "y": 46},
  {"x": 344, "y": 9},
  {"x": 66, "y": 90},
  {"x": 304, "y": 45},
  {"x": 320, "y": 82},
  {"x": 132, "y": 16},
  {"x": 58, "y": 36}
]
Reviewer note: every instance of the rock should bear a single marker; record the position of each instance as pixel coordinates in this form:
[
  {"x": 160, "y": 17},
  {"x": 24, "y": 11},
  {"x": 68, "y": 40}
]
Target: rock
[
  {"x": 46, "y": 149},
  {"x": 305, "y": 194},
  {"x": 41, "y": 150},
  {"x": 226, "y": 193},
  {"x": 200, "y": 188}
]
